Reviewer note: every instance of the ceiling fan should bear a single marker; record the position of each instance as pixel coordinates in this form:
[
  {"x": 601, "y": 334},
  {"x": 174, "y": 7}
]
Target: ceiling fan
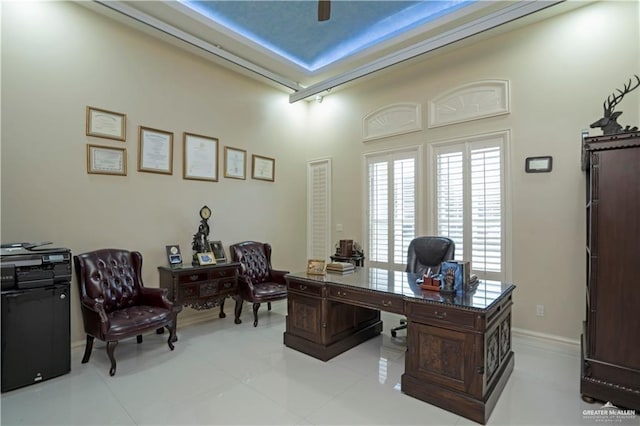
[{"x": 324, "y": 10}]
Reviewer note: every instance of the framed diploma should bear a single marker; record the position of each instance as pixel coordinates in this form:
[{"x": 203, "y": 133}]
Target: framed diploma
[
  {"x": 235, "y": 163},
  {"x": 200, "y": 159},
  {"x": 104, "y": 160},
  {"x": 155, "y": 151},
  {"x": 106, "y": 124},
  {"x": 263, "y": 168}
]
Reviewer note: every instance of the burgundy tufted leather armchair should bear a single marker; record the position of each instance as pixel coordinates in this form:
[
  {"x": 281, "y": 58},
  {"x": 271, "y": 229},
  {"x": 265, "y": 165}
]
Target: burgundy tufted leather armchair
[
  {"x": 115, "y": 304},
  {"x": 258, "y": 281}
]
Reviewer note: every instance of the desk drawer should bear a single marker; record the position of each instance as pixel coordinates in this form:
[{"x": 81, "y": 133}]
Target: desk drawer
[
  {"x": 385, "y": 302},
  {"x": 305, "y": 288},
  {"x": 431, "y": 314}
]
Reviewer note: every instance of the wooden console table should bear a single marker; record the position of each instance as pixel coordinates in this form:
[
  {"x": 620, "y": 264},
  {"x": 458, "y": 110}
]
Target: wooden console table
[
  {"x": 202, "y": 287},
  {"x": 458, "y": 354}
]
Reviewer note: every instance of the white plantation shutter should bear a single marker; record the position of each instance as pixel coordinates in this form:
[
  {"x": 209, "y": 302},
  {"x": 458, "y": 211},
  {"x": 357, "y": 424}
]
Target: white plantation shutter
[
  {"x": 404, "y": 207},
  {"x": 379, "y": 211},
  {"x": 469, "y": 200},
  {"x": 486, "y": 209},
  {"x": 319, "y": 210},
  {"x": 391, "y": 207},
  {"x": 450, "y": 199}
]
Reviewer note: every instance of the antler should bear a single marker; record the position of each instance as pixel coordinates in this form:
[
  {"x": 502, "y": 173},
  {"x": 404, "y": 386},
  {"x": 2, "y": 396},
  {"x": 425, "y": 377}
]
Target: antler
[{"x": 614, "y": 99}]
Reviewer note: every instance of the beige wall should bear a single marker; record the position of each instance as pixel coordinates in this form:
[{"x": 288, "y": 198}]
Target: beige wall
[
  {"x": 59, "y": 57},
  {"x": 560, "y": 72}
]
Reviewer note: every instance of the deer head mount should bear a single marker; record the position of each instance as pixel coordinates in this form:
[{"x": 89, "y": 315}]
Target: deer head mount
[{"x": 608, "y": 123}]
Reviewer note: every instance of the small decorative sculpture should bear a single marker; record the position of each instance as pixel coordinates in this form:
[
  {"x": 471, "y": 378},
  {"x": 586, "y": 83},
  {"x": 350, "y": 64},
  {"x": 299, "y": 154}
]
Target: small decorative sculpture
[
  {"x": 608, "y": 123},
  {"x": 200, "y": 242}
]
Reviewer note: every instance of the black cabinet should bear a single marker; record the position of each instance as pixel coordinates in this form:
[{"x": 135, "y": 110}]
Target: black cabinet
[
  {"x": 35, "y": 335},
  {"x": 611, "y": 332}
]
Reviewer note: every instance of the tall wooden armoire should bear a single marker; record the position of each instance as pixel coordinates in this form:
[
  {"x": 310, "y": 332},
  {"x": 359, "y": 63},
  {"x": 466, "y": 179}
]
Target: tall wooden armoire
[{"x": 611, "y": 332}]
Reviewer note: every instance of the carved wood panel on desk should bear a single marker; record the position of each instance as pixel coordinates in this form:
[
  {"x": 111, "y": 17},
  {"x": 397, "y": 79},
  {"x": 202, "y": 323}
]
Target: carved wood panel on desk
[
  {"x": 323, "y": 328},
  {"x": 459, "y": 359},
  {"x": 201, "y": 287}
]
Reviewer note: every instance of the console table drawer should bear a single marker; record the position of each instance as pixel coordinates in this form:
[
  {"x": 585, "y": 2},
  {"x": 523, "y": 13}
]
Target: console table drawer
[
  {"x": 193, "y": 277},
  {"x": 222, "y": 273},
  {"x": 441, "y": 314},
  {"x": 189, "y": 291},
  {"x": 227, "y": 286},
  {"x": 207, "y": 289},
  {"x": 385, "y": 302}
]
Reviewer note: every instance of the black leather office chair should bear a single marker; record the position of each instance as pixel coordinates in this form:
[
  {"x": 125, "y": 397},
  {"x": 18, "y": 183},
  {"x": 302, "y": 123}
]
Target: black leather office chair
[{"x": 426, "y": 253}]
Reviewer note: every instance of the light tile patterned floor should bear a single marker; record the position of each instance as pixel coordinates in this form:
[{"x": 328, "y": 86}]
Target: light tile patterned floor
[{"x": 226, "y": 374}]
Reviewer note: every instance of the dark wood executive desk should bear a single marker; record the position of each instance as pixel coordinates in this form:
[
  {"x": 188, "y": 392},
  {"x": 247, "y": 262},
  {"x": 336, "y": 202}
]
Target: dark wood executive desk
[{"x": 458, "y": 353}]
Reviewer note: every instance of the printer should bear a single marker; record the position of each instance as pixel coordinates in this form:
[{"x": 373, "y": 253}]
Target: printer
[
  {"x": 30, "y": 265},
  {"x": 36, "y": 318}
]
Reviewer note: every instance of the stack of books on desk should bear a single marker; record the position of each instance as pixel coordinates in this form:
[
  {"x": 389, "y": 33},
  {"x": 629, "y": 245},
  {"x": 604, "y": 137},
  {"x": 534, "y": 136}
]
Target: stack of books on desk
[{"x": 340, "y": 267}]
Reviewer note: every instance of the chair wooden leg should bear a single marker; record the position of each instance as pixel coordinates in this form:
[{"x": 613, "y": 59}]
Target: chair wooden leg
[
  {"x": 111, "y": 346},
  {"x": 172, "y": 334},
  {"x": 238, "y": 310},
  {"x": 87, "y": 349},
  {"x": 268, "y": 306},
  {"x": 139, "y": 338},
  {"x": 256, "y": 306},
  {"x": 222, "y": 314}
]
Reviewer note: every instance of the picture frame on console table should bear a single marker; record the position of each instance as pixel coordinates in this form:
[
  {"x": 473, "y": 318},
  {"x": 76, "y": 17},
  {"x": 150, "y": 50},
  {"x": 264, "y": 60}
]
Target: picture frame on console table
[
  {"x": 174, "y": 257},
  {"x": 106, "y": 124},
  {"x": 200, "y": 157},
  {"x": 155, "y": 151},
  {"x": 206, "y": 258},
  {"x": 263, "y": 168},
  {"x": 105, "y": 160},
  {"x": 218, "y": 252}
]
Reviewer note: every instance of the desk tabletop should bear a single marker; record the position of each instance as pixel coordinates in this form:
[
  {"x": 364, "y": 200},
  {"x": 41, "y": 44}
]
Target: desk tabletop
[{"x": 404, "y": 284}]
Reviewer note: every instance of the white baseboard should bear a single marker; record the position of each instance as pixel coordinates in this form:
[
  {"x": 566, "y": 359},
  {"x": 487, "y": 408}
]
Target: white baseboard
[
  {"x": 547, "y": 341},
  {"x": 550, "y": 338}
]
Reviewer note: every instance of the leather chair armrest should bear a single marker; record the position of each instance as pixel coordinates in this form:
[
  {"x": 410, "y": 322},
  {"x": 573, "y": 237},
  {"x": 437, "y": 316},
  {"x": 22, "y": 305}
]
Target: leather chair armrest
[
  {"x": 278, "y": 276},
  {"x": 246, "y": 280},
  {"x": 155, "y": 297},
  {"x": 245, "y": 285},
  {"x": 94, "y": 316}
]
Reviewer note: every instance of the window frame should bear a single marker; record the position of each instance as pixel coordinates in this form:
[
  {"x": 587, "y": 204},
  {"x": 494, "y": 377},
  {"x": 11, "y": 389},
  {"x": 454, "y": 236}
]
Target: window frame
[
  {"x": 475, "y": 141},
  {"x": 413, "y": 151}
]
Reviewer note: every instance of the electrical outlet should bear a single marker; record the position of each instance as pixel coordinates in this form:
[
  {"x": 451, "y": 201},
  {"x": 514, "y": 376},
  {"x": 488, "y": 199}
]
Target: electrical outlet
[{"x": 540, "y": 310}]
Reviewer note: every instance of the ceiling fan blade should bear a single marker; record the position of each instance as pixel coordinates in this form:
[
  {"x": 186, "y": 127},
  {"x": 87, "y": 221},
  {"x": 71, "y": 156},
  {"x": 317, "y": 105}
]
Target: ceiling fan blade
[{"x": 324, "y": 10}]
